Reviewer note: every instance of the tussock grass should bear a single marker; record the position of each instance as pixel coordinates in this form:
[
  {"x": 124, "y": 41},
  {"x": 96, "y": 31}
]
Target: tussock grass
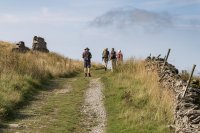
[
  {"x": 21, "y": 74},
  {"x": 135, "y": 102}
]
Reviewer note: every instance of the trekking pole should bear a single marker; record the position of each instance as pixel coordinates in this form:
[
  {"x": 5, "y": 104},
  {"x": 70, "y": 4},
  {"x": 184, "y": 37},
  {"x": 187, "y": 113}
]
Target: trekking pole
[
  {"x": 166, "y": 59},
  {"x": 188, "y": 83}
]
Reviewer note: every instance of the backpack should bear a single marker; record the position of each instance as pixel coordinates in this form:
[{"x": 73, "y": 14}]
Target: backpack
[
  {"x": 113, "y": 55},
  {"x": 105, "y": 54},
  {"x": 87, "y": 56}
]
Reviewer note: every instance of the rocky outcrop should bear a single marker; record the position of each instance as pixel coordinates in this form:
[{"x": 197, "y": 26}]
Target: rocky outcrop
[
  {"x": 187, "y": 108},
  {"x": 39, "y": 44},
  {"x": 21, "y": 48}
]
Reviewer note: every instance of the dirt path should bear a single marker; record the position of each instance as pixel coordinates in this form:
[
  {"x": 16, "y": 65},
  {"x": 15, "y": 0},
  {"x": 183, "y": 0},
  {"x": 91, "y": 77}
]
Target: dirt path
[
  {"x": 94, "y": 110},
  {"x": 39, "y": 114},
  {"x": 73, "y": 105},
  {"x": 55, "y": 109}
]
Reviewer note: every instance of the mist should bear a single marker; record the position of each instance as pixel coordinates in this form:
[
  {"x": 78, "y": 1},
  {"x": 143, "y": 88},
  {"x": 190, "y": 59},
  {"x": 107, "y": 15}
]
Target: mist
[
  {"x": 136, "y": 27},
  {"x": 133, "y": 19},
  {"x": 139, "y": 32}
]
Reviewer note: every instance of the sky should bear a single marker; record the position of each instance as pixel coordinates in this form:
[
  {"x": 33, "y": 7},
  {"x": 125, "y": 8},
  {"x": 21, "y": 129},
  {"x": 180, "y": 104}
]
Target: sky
[{"x": 137, "y": 27}]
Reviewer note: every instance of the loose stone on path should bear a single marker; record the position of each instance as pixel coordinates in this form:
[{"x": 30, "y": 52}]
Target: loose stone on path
[{"x": 94, "y": 108}]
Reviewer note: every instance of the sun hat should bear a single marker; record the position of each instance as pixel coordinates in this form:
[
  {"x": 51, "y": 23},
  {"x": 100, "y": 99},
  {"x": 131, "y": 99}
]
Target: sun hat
[{"x": 87, "y": 48}]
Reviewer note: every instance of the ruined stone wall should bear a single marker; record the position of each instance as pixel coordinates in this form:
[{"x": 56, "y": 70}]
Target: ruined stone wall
[
  {"x": 21, "y": 48},
  {"x": 39, "y": 44},
  {"x": 187, "y": 109}
]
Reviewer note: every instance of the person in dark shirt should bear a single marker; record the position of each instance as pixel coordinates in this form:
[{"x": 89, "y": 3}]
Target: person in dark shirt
[
  {"x": 113, "y": 58},
  {"x": 87, "y": 61}
]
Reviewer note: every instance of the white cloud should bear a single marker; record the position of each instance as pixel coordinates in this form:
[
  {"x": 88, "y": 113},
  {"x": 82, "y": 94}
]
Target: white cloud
[{"x": 44, "y": 16}]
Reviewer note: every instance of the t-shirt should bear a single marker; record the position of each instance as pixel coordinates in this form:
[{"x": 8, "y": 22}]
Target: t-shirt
[
  {"x": 119, "y": 56},
  {"x": 113, "y": 55},
  {"x": 87, "y": 56}
]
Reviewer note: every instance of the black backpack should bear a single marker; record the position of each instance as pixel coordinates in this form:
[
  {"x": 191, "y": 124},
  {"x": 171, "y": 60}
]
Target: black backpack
[
  {"x": 113, "y": 55},
  {"x": 87, "y": 55}
]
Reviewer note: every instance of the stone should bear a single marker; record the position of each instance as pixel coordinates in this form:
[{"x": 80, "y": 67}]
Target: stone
[
  {"x": 21, "y": 48},
  {"x": 39, "y": 44},
  {"x": 187, "y": 109}
]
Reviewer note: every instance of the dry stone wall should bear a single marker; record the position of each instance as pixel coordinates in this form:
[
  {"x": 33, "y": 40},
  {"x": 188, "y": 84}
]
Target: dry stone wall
[{"x": 187, "y": 109}]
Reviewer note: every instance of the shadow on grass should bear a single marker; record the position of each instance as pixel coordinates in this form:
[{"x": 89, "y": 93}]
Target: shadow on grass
[{"x": 34, "y": 88}]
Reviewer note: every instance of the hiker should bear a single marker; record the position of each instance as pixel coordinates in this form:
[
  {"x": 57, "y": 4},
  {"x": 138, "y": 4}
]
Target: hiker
[
  {"x": 113, "y": 59},
  {"x": 105, "y": 58},
  {"x": 87, "y": 61},
  {"x": 119, "y": 57}
]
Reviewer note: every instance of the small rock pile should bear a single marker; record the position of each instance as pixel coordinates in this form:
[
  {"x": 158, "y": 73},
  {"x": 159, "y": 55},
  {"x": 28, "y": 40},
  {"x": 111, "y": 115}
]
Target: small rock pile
[
  {"x": 21, "y": 48},
  {"x": 187, "y": 109},
  {"x": 39, "y": 44}
]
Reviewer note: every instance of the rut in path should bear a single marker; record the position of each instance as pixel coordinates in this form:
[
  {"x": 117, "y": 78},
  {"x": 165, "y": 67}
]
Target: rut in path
[
  {"x": 44, "y": 112},
  {"x": 94, "y": 109},
  {"x": 63, "y": 108}
]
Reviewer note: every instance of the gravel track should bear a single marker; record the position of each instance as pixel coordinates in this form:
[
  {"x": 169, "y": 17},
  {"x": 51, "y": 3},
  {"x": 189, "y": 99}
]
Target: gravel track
[{"x": 94, "y": 108}]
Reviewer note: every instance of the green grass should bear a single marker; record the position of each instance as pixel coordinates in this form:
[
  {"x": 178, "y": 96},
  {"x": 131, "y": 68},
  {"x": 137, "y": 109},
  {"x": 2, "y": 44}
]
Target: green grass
[
  {"x": 21, "y": 75},
  {"x": 135, "y": 103},
  {"x": 16, "y": 93},
  {"x": 54, "y": 112},
  {"x": 69, "y": 108}
]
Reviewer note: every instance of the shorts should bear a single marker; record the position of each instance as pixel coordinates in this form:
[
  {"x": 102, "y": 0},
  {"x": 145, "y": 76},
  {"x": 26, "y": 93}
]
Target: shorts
[{"x": 87, "y": 64}]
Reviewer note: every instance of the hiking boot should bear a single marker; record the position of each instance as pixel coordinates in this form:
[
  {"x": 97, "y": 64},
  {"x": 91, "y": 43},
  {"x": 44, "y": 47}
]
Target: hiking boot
[
  {"x": 89, "y": 75},
  {"x": 85, "y": 74}
]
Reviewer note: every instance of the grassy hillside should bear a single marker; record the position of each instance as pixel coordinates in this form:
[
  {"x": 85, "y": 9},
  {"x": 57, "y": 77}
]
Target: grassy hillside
[
  {"x": 22, "y": 74},
  {"x": 135, "y": 102}
]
